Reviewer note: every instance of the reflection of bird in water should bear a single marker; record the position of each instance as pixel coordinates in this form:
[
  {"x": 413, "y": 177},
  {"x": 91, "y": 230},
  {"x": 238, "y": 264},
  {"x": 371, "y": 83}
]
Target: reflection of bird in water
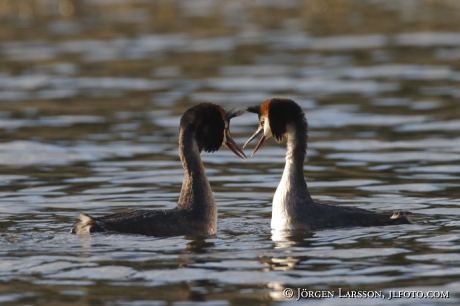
[
  {"x": 293, "y": 207},
  {"x": 202, "y": 127},
  {"x": 286, "y": 239}
]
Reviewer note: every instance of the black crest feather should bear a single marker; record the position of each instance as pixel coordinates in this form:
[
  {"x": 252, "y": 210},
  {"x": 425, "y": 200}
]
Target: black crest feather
[
  {"x": 282, "y": 111},
  {"x": 206, "y": 119},
  {"x": 234, "y": 112},
  {"x": 254, "y": 109}
]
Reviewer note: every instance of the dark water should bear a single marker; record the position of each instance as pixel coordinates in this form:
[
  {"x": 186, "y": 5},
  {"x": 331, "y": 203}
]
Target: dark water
[{"x": 91, "y": 93}]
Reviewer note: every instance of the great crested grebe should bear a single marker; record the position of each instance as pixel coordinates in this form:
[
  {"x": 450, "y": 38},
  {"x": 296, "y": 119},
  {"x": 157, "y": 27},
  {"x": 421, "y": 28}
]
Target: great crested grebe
[
  {"x": 202, "y": 127},
  {"x": 293, "y": 207}
]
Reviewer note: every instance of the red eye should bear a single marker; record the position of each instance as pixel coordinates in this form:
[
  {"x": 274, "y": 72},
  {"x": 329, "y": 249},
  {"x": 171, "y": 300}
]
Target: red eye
[{"x": 262, "y": 122}]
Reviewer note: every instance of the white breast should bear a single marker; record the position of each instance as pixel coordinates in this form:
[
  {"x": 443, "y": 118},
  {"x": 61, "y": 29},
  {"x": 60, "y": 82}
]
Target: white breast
[{"x": 281, "y": 203}]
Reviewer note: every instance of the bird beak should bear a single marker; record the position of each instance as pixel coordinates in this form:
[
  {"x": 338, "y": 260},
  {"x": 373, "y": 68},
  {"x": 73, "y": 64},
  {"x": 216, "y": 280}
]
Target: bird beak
[
  {"x": 262, "y": 140},
  {"x": 229, "y": 143}
]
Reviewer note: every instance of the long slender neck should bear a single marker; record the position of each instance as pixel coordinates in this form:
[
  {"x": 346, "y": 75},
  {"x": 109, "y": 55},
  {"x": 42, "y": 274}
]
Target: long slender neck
[
  {"x": 196, "y": 193},
  {"x": 293, "y": 178},
  {"x": 292, "y": 196}
]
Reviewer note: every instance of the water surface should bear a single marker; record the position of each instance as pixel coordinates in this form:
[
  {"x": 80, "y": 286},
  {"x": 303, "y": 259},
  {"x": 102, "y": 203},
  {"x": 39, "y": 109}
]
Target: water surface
[{"x": 91, "y": 93}]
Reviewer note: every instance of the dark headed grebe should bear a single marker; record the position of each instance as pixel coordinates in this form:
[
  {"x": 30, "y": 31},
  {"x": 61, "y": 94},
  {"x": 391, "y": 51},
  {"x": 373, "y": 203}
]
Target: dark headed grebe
[
  {"x": 202, "y": 127},
  {"x": 293, "y": 207}
]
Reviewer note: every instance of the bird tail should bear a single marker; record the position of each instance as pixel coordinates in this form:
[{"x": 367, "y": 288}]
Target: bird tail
[
  {"x": 402, "y": 217},
  {"x": 85, "y": 225}
]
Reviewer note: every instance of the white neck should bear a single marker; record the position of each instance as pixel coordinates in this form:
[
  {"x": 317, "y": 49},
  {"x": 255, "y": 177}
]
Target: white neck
[{"x": 292, "y": 195}]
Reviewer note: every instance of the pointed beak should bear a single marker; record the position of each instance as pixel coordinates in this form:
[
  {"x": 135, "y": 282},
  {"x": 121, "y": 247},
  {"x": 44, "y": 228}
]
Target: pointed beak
[
  {"x": 262, "y": 140},
  {"x": 229, "y": 143}
]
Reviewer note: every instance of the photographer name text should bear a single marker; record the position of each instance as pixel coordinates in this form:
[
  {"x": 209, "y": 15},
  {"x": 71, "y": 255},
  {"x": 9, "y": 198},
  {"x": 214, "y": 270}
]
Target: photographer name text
[{"x": 301, "y": 293}]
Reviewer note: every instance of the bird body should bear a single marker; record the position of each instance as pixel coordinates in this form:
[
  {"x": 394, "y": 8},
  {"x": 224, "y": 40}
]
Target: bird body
[
  {"x": 293, "y": 208},
  {"x": 203, "y": 127}
]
